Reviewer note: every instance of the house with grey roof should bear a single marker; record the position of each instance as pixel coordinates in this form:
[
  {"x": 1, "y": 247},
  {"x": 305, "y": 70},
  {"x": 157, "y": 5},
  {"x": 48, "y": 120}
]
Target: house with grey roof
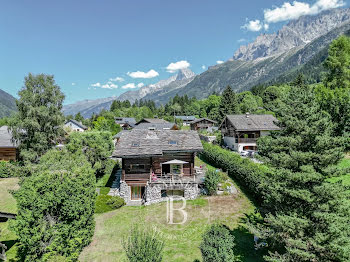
[
  {"x": 157, "y": 126},
  {"x": 75, "y": 125},
  {"x": 152, "y": 121},
  {"x": 202, "y": 124},
  {"x": 186, "y": 119},
  {"x": 240, "y": 132},
  {"x": 126, "y": 123},
  {"x": 8, "y": 147},
  {"x": 156, "y": 164}
]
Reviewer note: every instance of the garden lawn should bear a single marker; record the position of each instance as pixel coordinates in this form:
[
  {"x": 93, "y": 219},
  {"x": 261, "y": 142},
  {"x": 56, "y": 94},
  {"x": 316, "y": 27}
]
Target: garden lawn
[
  {"x": 181, "y": 241},
  {"x": 8, "y": 204},
  {"x": 344, "y": 164}
]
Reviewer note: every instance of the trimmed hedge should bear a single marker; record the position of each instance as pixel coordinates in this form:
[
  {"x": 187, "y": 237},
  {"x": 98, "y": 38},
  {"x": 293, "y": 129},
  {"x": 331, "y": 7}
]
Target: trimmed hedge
[
  {"x": 13, "y": 169},
  {"x": 251, "y": 176}
]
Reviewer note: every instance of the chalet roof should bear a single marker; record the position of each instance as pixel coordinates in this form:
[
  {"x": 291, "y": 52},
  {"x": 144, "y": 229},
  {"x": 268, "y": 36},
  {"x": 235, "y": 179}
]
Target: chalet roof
[
  {"x": 122, "y": 120},
  {"x": 79, "y": 124},
  {"x": 152, "y": 120},
  {"x": 186, "y": 118},
  {"x": 248, "y": 122},
  {"x": 139, "y": 142},
  {"x": 201, "y": 119},
  {"x": 6, "y": 137},
  {"x": 155, "y": 126}
]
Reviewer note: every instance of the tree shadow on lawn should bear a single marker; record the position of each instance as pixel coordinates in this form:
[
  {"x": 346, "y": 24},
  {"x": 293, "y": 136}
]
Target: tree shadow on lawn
[{"x": 244, "y": 241}]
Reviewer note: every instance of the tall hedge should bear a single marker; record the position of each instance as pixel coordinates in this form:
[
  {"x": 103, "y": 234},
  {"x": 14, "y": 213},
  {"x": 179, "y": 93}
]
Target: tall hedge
[
  {"x": 251, "y": 175},
  {"x": 56, "y": 207}
]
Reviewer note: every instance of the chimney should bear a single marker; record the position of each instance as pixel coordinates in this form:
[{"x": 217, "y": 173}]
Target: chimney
[{"x": 247, "y": 115}]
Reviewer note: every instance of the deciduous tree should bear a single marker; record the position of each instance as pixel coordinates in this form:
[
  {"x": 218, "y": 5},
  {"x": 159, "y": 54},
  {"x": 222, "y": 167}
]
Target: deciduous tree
[{"x": 39, "y": 120}]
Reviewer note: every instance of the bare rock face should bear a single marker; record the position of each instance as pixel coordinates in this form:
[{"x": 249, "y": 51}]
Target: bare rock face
[{"x": 296, "y": 33}]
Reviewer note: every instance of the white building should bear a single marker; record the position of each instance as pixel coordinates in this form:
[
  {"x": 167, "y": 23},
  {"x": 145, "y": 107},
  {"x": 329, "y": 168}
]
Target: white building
[{"x": 75, "y": 125}]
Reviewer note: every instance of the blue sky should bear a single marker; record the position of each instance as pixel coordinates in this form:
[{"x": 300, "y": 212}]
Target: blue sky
[{"x": 90, "y": 46}]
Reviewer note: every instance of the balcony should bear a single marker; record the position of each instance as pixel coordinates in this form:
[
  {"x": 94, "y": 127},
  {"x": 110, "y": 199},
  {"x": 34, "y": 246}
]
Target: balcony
[{"x": 246, "y": 140}]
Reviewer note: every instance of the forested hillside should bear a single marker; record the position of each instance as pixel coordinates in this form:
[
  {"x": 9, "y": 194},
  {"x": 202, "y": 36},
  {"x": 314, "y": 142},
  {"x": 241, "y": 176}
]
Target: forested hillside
[{"x": 7, "y": 104}]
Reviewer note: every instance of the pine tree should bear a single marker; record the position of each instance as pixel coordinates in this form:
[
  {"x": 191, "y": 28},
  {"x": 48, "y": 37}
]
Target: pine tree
[
  {"x": 307, "y": 218},
  {"x": 79, "y": 117},
  {"x": 229, "y": 104}
]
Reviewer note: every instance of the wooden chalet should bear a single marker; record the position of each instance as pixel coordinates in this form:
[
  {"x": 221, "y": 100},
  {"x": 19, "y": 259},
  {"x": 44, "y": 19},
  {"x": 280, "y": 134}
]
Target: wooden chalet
[
  {"x": 157, "y": 163},
  {"x": 240, "y": 132},
  {"x": 126, "y": 123},
  {"x": 8, "y": 148},
  {"x": 202, "y": 124}
]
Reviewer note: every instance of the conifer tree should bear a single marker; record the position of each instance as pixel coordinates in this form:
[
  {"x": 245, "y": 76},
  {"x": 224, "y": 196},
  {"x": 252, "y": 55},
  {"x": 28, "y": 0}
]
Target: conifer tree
[
  {"x": 229, "y": 104},
  {"x": 307, "y": 217}
]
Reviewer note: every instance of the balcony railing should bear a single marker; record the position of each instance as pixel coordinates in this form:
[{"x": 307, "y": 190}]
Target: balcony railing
[{"x": 246, "y": 140}]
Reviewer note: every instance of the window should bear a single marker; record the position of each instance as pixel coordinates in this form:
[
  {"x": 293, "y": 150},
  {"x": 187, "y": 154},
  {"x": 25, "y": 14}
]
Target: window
[
  {"x": 137, "y": 167},
  {"x": 176, "y": 169},
  {"x": 172, "y": 142},
  {"x": 135, "y": 144}
]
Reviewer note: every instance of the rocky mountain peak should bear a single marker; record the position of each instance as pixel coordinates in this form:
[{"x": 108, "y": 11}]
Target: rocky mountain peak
[
  {"x": 296, "y": 33},
  {"x": 184, "y": 73}
]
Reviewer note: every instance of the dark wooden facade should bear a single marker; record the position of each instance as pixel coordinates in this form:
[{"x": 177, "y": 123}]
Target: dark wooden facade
[
  {"x": 202, "y": 124},
  {"x": 8, "y": 153},
  {"x": 137, "y": 171}
]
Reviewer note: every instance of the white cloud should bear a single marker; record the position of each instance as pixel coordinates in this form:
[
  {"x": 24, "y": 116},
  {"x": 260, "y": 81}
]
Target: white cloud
[
  {"x": 117, "y": 79},
  {"x": 130, "y": 85},
  {"x": 139, "y": 74},
  {"x": 219, "y": 62},
  {"x": 73, "y": 84},
  {"x": 140, "y": 85},
  {"x": 241, "y": 40},
  {"x": 109, "y": 85},
  {"x": 253, "y": 25},
  {"x": 290, "y": 11},
  {"x": 96, "y": 84},
  {"x": 173, "y": 67},
  {"x": 203, "y": 67}
]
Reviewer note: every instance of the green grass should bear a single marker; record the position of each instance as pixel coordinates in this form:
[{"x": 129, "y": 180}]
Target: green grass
[
  {"x": 344, "y": 164},
  {"x": 181, "y": 241},
  {"x": 8, "y": 204}
]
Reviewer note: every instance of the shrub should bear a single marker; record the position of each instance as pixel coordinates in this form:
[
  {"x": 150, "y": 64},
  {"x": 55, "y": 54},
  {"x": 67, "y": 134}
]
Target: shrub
[
  {"x": 56, "y": 208},
  {"x": 96, "y": 146},
  {"x": 211, "y": 182},
  {"x": 106, "y": 203},
  {"x": 143, "y": 245},
  {"x": 115, "y": 202},
  {"x": 250, "y": 175},
  {"x": 218, "y": 244},
  {"x": 13, "y": 169}
]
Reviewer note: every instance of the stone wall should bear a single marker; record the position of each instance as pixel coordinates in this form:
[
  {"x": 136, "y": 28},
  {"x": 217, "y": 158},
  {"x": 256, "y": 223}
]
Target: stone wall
[
  {"x": 153, "y": 194},
  {"x": 191, "y": 191},
  {"x": 125, "y": 191}
]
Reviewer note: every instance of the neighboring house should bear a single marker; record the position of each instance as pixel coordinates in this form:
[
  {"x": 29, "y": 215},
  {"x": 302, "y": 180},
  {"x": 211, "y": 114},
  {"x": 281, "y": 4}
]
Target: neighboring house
[
  {"x": 8, "y": 148},
  {"x": 126, "y": 123},
  {"x": 186, "y": 119},
  {"x": 152, "y": 121},
  {"x": 157, "y": 126},
  {"x": 75, "y": 125},
  {"x": 157, "y": 164},
  {"x": 202, "y": 124},
  {"x": 240, "y": 132}
]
